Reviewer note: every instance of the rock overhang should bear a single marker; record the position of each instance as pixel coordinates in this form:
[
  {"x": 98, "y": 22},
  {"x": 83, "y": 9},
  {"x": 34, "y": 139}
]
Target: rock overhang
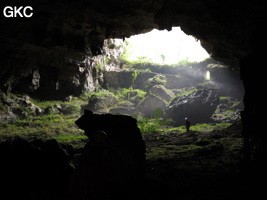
[{"x": 224, "y": 29}]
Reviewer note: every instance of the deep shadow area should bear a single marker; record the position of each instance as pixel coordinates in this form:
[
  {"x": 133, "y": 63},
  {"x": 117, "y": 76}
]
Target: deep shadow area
[
  {"x": 35, "y": 169},
  {"x": 198, "y": 165}
]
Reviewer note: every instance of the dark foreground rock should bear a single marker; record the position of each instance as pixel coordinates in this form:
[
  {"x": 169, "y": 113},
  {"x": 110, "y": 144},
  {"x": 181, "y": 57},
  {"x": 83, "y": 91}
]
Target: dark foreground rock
[
  {"x": 197, "y": 106},
  {"x": 126, "y": 157},
  {"x": 34, "y": 170}
]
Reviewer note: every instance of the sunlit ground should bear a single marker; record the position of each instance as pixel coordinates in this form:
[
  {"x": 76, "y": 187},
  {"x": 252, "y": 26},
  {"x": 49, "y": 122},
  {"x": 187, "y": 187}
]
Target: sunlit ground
[{"x": 165, "y": 47}]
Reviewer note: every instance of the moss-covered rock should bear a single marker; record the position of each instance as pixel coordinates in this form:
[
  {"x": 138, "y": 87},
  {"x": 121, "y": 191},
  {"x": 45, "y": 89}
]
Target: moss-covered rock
[
  {"x": 228, "y": 110},
  {"x": 161, "y": 91},
  {"x": 97, "y": 102},
  {"x": 148, "y": 105},
  {"x": 158, "y": 79}
]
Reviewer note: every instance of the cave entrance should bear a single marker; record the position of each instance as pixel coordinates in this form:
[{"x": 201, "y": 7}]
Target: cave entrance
[
  {"x": 161, "y": 69},
  {"x": 164, "y": 47},
  {"x": 151, "y": 85}
]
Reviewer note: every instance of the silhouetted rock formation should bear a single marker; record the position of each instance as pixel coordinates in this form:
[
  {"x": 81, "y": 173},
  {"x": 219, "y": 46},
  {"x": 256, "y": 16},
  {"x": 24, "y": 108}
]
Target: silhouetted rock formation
[
  {"x": 127, "y": 151},
  {"x": 198, "y": 107}
]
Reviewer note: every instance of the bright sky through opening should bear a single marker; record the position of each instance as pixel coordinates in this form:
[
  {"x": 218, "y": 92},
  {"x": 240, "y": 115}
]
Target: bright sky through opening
[{"x": 165, "y": 47}]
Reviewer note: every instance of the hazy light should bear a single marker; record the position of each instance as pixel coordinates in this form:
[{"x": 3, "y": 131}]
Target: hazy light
[
  {"x": 208, "y": 76},
  {"x": 166, "y": 47}
]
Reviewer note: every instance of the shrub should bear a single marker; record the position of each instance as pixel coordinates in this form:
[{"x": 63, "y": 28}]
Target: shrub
[
  {"x": 157, "y": 113},
  {"x": 147, "y": 125},
  {"x": 125, "y": 93}
]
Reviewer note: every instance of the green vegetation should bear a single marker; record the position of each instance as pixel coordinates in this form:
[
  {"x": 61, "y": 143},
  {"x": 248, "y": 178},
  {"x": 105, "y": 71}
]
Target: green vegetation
[
  {"x": 134, "y": 75},
  {"x": 212, "y": 154},
  {"x": 198, "y": 127},
  {"x": 147, "y": 125},
  {"x": 45, "y": 104},
  {"x": 57, "y": 126},
  {"x": 156, "y": 80},
  {"x": 224, "y": 98},
  {"x": 101, "y": 92},
  {"x": 155, "y": 124},
  {"x": 125, "y": 93},
  {"x": 209, "y": 127},
  {"x": 58, "y": 119},
  {"x": 157, "y": 113},
  {"x": 145, "y": 64}
]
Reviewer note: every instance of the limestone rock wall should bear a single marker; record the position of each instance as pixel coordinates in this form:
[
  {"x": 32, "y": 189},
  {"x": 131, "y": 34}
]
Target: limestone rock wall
[{"x": 56, "y": 72}]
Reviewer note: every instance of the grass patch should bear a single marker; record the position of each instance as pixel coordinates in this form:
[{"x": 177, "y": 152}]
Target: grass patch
[
  {"x": 198, "y": 127},
  {"x": 45, "y": 104},
  {"x": 77, "y": 141},
  {"x": 147, "y": 125},
  {"x": 43, "y": 127},
  {"x": 209, "y": 127},
  {"x": 168, "y": 151},
  {"x": 125, "y": 93}
]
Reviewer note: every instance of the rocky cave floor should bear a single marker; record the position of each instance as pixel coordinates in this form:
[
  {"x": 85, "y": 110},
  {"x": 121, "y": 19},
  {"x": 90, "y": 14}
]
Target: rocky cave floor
[{"x": 198, "y": 165}]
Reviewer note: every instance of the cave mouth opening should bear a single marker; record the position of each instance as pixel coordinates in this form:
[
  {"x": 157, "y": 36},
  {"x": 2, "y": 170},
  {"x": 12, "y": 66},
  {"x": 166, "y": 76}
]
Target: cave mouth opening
[
  {"x": 183, "y": 68},
  {"x": 164, "y": 47}
]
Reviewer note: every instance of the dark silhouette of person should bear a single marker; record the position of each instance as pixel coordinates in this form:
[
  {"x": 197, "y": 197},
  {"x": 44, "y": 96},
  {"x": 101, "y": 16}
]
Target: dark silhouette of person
[{"x": 187, "y": 124}]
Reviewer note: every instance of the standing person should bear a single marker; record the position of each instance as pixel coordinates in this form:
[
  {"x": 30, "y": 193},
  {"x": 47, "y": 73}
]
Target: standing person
[{"x": 187, "y": 124}]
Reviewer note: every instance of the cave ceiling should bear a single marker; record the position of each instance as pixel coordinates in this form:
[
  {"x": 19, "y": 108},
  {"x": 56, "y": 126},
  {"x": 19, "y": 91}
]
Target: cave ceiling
[{"x": 223, "y": 27}]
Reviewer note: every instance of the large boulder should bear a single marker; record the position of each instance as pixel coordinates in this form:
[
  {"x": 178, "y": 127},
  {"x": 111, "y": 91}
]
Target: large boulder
[
  {"x": 14, "y": 106},
  {"x": 228, "y": 110},
  {"x": 127, "y": 149},
  {"x": 197, "y": 106},
  {"x": 148, "y": 105},
  {"x": 161, "y": 91},
  {"x": 97, "y": 102},
  {"x": 158, "y": 79},
  {"x": 25, "y": 106},
  {"x": 6, "y": 114}
]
